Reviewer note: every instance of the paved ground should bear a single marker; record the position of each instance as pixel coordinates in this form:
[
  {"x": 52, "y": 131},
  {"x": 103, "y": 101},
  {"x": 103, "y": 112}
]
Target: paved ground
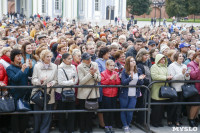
[
  {"x": 143, "y": 23},
  {"x": 164, "y": 129}
]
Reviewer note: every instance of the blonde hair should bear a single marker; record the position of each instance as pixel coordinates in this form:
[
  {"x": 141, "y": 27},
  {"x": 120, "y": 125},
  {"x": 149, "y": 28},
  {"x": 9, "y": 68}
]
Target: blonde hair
[
  {"x": 44, "y": 53},
  {"x": 4, "y": 50},
  {"x": 109, "y": 61},
  {"x": 75, "y": 51}
]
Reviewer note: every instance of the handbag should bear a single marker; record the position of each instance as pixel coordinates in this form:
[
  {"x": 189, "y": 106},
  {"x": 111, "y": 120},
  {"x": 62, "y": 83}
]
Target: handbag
[
  {"x": 167, "y": 92},
  {"x": 22, "y": 105},
  {"x": 67, "y": 95},
  {"x": 38, "y": 98},
  {"x": 189, "y": 90},
  {"x": 7, "y": 104},
  {"x": 91, "y": 105}
]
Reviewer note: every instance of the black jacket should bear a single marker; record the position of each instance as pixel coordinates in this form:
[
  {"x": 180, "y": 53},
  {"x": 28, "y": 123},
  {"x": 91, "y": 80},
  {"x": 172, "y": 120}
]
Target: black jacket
[{"x": 131, "y": 52}]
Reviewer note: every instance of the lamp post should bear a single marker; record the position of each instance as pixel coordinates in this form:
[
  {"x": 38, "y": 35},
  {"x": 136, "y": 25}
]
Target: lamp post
[{"x": 160, "y": 4}]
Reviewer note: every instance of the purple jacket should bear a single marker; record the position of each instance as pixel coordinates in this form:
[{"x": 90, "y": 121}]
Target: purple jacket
[{"x": 195, "y": 73}]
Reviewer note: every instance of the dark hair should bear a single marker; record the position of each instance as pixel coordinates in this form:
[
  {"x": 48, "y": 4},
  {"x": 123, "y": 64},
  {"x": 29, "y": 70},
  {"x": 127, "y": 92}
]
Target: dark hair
[
  {"x": 118, "y": 53},
  {"x": 23, "y": 49},
  {"x": 130, "y": 39},
  {"x": 195, "y": 55},
  {"x": 103, "y": 51},
  {"x": 13, "y": 53},
  {"x": 65, "y": 56},
  {"x": 90, "y": 36},
  {"x": 176, "y": 55},
  {"x": 138, "y": 40},
  {"x": 19, "y": 38}
]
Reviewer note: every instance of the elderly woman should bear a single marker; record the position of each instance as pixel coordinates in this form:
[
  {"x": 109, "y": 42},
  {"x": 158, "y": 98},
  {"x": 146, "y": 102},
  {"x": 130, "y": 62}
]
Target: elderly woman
[
  {"x": 158, "y": 72},
  {"x": 5, "y": 56},
  {"x": 76, "y": 56},
  {"x": 18, "y": 76},
  {"x": 194, "y": 75},
  {"x": 178, "y": 70},
  {"x": 67, "y": 75},
  {"x": 88, "y": 74},
  {"x": 44, "y": 73},
  {"x": 142, "y": 59}
]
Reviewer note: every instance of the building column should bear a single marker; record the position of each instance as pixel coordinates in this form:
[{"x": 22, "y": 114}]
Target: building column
[
  {"x": 5, "y": 6},
  {"x": 50, "y": 8},
  {"x": 1, "y": 11},
  {"x": 35, "y": 7},
  {"x": 124, "y": 11}
]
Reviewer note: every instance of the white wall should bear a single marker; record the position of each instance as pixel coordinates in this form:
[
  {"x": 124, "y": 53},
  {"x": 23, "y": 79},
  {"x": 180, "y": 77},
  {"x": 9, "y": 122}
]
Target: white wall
[{"x": 1, "y": 10}]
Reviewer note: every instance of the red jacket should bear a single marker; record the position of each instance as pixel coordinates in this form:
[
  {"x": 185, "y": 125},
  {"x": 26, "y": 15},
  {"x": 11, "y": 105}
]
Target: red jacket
[
  {"x": 3, "y": 75},
  {"x": 105, "y": 80}
]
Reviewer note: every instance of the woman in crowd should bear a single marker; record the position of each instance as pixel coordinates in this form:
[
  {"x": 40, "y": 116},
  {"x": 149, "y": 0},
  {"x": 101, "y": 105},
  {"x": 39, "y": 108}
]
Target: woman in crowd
[
  {"x": 45, "y": 73},
  {"x": 27, "y": 54},
  {"x": 190, "y": 55},
  {"x": 178, "y": 70},
  {"x": 76, "y": 56},
  {"x": 18, "y": 76},
  {"x": 88, "y": 74},
  {"x": 101, "y": 61},
  {"x": 158, "y": 72},
  {"x": 153, "y": 52},
  {"x": 128, "y": 96},
  {"x": 194, "y": 75},
  {"x": 120, "y": 59},
  {"x": 109, "y": 77},
  {"x": 67, "y": 76},
  {"x": 62, "y": 48},
  {"x": 5, "y": 56},
  {"x": 142, "y": 65}
]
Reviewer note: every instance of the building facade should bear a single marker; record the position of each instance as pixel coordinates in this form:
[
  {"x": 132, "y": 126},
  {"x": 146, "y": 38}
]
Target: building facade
[{"x": 83, "y": 10}]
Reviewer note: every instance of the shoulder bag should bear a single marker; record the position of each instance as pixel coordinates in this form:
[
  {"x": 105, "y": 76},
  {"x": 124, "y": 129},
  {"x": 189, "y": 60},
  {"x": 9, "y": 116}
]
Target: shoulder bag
[
  {"x": 68, "y": 95},
  {"x": 167, "y": 92},
  {"x": 189, "y": 90},
  {"x": 7, "y": 104}
]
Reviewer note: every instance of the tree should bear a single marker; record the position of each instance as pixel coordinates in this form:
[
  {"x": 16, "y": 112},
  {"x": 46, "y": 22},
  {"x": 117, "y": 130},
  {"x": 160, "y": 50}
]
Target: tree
[
  {"x": 178, "y": 8},
  {"x": 193, "y": 7},
  {"x": 138, "y": 7}
]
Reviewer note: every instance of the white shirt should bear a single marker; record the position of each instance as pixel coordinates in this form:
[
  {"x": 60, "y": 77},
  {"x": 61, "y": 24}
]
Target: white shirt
[{"x": 132, "y": 90}]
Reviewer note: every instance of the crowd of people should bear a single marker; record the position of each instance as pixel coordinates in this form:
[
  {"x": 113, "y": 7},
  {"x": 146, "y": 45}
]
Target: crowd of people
[{"x": 39, "y": 52}]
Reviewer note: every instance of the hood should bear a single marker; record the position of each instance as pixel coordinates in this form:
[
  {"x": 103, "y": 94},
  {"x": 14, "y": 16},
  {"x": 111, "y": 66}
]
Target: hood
[{"x": 159, "y": 57}]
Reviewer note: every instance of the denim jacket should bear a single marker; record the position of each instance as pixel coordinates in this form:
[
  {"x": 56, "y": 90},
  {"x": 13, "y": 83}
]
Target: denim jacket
[{"x": 125, "y": 79}]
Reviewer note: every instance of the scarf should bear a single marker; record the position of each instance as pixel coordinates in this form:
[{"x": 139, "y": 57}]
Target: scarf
[{"x": 6, "y": 58}]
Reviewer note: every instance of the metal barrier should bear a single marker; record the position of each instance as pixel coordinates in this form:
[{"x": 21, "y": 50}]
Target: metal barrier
[{"x": 146, "y": 118}]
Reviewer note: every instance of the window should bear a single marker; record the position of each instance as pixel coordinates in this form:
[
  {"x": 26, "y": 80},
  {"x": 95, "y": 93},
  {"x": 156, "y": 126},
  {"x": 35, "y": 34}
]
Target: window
[
  {"x": 97, "y": 5},
  {"x": 43, "y": 6},
  {"x": 57, "y": 4}
]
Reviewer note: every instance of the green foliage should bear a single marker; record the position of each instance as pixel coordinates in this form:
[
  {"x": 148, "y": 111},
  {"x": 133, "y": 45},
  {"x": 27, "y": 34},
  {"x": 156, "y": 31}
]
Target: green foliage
[
  {"x": 193, "y": 6},
  {"x": 178, "y": 8},
  {"x": 138, "y": 7}
]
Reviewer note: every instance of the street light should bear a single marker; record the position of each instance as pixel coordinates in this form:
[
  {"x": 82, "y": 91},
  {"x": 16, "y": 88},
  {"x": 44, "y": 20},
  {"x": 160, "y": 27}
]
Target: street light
[{"x": 159, "y": 4}]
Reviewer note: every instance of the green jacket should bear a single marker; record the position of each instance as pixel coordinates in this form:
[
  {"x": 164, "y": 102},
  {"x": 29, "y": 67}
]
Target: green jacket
[{"x": 158, "y": 72}]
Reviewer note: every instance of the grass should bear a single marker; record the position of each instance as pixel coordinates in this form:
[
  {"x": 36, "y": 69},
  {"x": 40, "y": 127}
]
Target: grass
[{"x": 169, "y": 20}]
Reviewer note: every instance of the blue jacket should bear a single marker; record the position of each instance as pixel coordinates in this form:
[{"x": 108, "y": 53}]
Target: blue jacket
[
  {"x": 101, "y": 64},
  {"x": 18, "y": 78},
  {"x": 125, "y": 79},
  {"x": 28, "y": 56}
]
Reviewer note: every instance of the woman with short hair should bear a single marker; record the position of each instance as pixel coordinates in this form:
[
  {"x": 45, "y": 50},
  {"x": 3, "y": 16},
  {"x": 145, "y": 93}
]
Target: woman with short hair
[
  {"x": 5, "y": 56},
  {"x": 44, "y": 73}
]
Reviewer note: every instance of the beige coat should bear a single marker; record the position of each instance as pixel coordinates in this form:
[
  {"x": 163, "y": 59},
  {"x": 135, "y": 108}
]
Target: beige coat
[
  {"x": 40, "y": 72},
  {"x": 62, "y": 79},
  {"x": 85, "y": 78}
]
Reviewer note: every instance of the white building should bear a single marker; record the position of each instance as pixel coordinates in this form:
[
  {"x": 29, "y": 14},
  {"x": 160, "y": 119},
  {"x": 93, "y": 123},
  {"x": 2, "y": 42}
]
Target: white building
[{"x": 84, "y": 10}]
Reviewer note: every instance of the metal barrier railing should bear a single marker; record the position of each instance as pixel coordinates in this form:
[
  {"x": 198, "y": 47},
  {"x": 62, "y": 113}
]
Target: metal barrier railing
[{"x": 147, "y": 109}]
